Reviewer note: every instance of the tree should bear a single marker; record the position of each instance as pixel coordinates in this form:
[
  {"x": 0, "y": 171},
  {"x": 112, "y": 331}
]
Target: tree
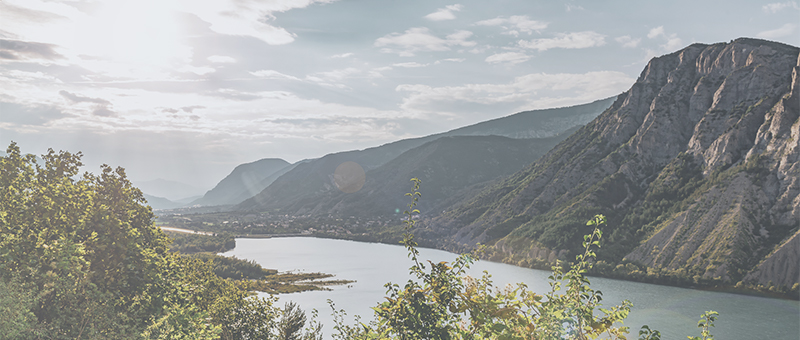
[{"x": 443, "y": 303}]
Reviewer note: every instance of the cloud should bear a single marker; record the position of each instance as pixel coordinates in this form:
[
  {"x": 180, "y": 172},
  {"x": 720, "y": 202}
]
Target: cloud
[
  {"x": 779, "y": 6},
  {"x": 272, "y": 74},
  {"x": 103, "y": 112},
  {"x": 80, "y": 99},
  {"x": 584, "y": 39},
  {"x": 221, "y": 59},
  {"x": 571, "y": 7},
  {"x": 343, "y": 55},
  {"x": 444, "y": 13},
  {"x": 248, "y": 17},
  {"x": 538, "y": 90},
  {"x": 508, "y": 57},
  {"x": 419, "y": 39},
  {"x": 515, "y": 24},
  {"x": 13, "y": 113},
  {"x": 18, "y": 50},
  {"x": 654, "y": 32},
  {"x": 672, "y": 40},
  {"x": 453, "y": 60},
  {"x": 190, "y": 109},
  {"x": 783, "y": 31},
  {"x": 627, "y": 41},
  {"x": 102, "y": 109},
  {"x": 412, "y": 64}
]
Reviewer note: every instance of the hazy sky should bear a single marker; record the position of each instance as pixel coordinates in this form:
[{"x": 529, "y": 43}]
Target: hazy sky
[{"x": 187, "y": 89}]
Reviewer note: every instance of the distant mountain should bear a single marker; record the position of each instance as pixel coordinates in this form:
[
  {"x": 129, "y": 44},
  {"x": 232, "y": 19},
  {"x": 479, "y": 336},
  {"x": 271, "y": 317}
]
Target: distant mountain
[
  {"x": 449, "y": 167},
  {"x": 306, "y": 182},
  {"x": 170, "y": 190},
  {"x": 161, "y": 203},
  {"x": 245, "y": 181},
  {"x": 697, "y": 168}
]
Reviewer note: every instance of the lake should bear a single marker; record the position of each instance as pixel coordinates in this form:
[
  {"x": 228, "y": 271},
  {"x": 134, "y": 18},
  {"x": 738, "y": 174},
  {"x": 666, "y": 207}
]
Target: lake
[{"x": 671, "y": 310}]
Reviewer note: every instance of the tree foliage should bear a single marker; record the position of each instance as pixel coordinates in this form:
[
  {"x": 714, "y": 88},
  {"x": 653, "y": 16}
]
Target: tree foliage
[{"x": 81, "y": 258}]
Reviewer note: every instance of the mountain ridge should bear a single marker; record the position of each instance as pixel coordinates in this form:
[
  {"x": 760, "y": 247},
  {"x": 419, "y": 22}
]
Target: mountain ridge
[
  {"x": 673, "y": 163},
  {"x": 313, "y": 177}
]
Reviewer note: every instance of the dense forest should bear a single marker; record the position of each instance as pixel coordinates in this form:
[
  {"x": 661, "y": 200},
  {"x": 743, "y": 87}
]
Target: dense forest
[{"x": 81, "y": 258}]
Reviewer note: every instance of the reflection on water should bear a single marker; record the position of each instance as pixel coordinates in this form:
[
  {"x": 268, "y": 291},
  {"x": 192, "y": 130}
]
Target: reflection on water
[{"x": 673, "y": 311}]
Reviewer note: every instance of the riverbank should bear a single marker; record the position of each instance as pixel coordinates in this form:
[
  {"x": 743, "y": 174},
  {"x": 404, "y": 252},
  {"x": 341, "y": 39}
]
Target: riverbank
[
  {"x": 631, "y": 276},
  {"x": 671, "y": 310}
]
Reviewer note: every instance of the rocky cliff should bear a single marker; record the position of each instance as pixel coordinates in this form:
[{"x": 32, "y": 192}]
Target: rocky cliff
[{"x": 696, "y": 167}]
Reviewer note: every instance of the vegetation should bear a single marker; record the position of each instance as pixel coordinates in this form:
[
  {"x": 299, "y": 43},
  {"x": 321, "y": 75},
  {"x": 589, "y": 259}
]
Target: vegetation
[
  {"x": 195, "y": 243},
  {"x": 80, "y": 258},
  {"x": 442, "y": 303}
]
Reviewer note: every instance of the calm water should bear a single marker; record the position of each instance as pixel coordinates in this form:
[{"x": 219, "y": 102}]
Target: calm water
[{"x": 673, "y": 311}]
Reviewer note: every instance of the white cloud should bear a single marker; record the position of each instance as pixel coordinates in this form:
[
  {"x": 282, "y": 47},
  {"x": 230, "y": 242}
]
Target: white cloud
[
  {"x": 571, "y": 7},
  {"x": 343, "y": 55},
  {"x": 584, "y": 39},
  {"x": 246, "y": 17},
  {"x": 656, "y": 32},
  {"x": 538, "y": 90},
  {"x": 783, "y": 31},
  {"x": 412, "y": 64},
  {"x": 272, "y": 74},
  {"x": 453, "y": 60},
  {"x": 779, "y": 6},
  {"x": 444, "y": 13},
  {"x": 672, "y": 41},
  {"x": 221, "y": 59},
  {"x": 419, "y": 39},
  {"x": 508, "y": 57},
  {"x": 627, "y": 41},
  {"x": 515, "y": 24}
]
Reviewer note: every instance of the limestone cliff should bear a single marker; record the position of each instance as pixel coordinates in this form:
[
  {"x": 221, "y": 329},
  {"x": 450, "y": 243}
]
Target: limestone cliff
[{"x": 696, "y": 167}]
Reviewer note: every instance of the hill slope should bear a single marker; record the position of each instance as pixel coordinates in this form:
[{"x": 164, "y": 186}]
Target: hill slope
[
  {"x": 696, "y": 167},
  {"x": 450, "y": 166},
  {"x": 243, "y": 182},
  {"x": 314, "y": 177}
]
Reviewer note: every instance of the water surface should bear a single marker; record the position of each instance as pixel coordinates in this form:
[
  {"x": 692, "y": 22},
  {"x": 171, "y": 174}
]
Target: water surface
[{"x": 671, "y": 310}]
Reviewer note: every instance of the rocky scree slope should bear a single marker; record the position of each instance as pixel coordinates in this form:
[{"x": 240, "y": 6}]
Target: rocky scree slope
[{"x": 696, "y": 167}]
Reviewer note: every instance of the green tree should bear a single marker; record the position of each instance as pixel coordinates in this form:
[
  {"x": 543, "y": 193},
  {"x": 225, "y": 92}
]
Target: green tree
[
  {"x": 441, "y": 302},
  {"x": 81, "y": 257}
]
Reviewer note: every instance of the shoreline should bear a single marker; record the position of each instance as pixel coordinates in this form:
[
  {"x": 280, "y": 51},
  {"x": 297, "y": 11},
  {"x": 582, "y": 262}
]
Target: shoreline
[{"x": 721, "y": 289}]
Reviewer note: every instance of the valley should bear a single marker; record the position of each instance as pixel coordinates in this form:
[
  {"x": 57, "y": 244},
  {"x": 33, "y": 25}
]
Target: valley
[{"x": 697, "y": 172}]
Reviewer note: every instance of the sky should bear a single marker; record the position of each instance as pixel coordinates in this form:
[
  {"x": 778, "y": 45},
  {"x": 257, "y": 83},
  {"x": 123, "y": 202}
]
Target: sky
[{"x": 185, "y": 90}]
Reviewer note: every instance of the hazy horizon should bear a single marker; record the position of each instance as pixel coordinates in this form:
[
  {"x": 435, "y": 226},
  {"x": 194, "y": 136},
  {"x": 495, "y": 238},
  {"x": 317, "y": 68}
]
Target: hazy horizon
[{"x": 185, "y": 91}]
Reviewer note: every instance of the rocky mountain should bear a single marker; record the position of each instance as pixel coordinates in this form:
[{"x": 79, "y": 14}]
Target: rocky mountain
[
  {"x": 695, "y": 166},
  {"x": 450, "y": 166},
  {"x": 245, "y": 181},
  {"x": 307, "y": 182}
]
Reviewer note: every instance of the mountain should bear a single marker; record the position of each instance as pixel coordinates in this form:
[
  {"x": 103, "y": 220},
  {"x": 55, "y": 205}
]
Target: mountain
[
  {"x": 244, "y": 182},
  {"x": 315, "y": 178},
  {"x": 161, "y": 203},
  {"x": 170, "y": 190},
  {"x": 450, "y": 167},
  {"x": 695, "y": 166}
]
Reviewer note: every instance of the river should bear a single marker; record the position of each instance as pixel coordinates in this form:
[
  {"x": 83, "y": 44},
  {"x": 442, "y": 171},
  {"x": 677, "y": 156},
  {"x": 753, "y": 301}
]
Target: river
[{"x": 671, "y": 310}]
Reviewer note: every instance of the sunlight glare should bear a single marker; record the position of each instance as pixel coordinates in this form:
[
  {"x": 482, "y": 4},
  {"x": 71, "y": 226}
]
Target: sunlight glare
[{"x": 143, "y": 34}]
